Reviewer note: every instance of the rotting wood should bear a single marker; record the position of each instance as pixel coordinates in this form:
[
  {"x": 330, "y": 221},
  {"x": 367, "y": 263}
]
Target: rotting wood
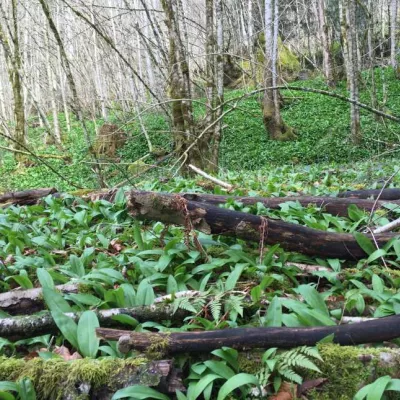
[
  {"x": 331, "y": 205},
  {"x": 382, "y": 194},
  {"x": 219, "y": 221},
  {"x": 23, "y": 327},
  {"x": 26, "y": 197},
  {"x": 375, "y": 331},
  {"x": 28, "y": 301}
]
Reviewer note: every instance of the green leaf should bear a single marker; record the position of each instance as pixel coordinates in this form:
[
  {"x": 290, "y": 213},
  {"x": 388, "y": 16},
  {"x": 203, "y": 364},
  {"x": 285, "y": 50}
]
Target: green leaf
[
  {"x": 84, "y": 298},
  {"x": 377, "y": 284},
  {"x": 375, "y": 255},
  {"x": 378, "y": 388},
  {"x": 235, "y": 382},
  {"x": 220, "y": 368},
  {"x": 26, "y": 390},
  {"x": 145, "y": 294},
  {"x": 139, "y": 392},
  {"x": 234, "y": 276},
  {"x": 8, "y": 386},
  {"x": 202, "y": 384},
  {"x": 45, "y": 278},
  {"x": 67, "y": 326},
  {"x": 6, "y": 396},
  {"x": 126, "y": 319},
  {"x": 394, "y": 385},
  {"x": 172, "y": 285},
  {"x": 87, "y": 338},
  {"x": 313, "y": 298},
  {"x": 55, "y": 301},
  {"x": 76, "y": 266},
  {"x": 274, "y": 313},
  {"x": 364, "y": 242}
]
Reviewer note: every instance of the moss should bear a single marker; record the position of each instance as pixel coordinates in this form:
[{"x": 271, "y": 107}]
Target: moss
[
  {"x": 55, "y": 379},
  {"x": 158, "y": 347},
  {"x": 346, "y": 373}
]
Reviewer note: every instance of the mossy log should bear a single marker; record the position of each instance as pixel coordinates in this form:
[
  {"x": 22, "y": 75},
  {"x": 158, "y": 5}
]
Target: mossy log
[
  {"x": 28, "y": 301},
  {"x": 214, "y": 220},
  {"x": 375, "y": 331},
  {"x": 23, "y": 327},
  {"x": 88, "y": 378},
  {"x": 332, "y": 205},
  {"x": 26, "y": 197},
  {"x": 381, "y": 194}
]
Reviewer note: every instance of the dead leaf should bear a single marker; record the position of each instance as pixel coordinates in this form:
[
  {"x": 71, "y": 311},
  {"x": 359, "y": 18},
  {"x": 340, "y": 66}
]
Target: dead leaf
[
  {"x": 116, "y": 245},
  {"x": 65, "y": 353},
  {"x": 286, "y": 392},
  {"x": 308, "y": 385}
]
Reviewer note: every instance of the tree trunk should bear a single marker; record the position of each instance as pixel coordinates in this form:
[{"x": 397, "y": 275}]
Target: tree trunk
[
  {"x": 273, "y": 122},
  {"x": 326, "y": 46},
  {"x": 393, "y": 33}
]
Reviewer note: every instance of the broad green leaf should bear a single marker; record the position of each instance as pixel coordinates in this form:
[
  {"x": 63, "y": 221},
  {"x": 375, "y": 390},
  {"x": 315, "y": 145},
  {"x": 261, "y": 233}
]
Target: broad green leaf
[
  {"x": 394, "y": 385},
  {"x": 6, "y": 396},
  {"x": 145, "y": 294},
  {"x": 26, "y": 390},
  {"x": 235, "y": 382},
  {"x": 76, "y": 265},
  {"x": 378, "y": 387},
  {"x": 313, "y": 298},
  {"x": 87, "y": 338},
  {"x": 377, "y": 284},
  {"x": 8, "y": 386},
  {"x": 376, "y": 254},
  {"x": 172, "y": 285},
  {"x": 234, "y": 276},
  {"x": 274, "y": 313},
  {"x": 220, "y": 368},
  {"x": 364, "y": 242},
  {"x": 84, "y": 298},
  {"x": 45, "y": 278},
  {"x": 55, "y": 301},
  {"x": 67, "y": 326},
  {"x": 139, "y": 392},
  {"x": 126, "y": 319},
  {"x": 203, "y": 383}
]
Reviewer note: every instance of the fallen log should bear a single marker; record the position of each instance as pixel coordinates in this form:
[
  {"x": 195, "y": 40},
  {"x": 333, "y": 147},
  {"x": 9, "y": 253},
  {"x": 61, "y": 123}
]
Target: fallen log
[
  {"x": 92, "y": 379},
  {"x": 375, "y": 331},
  {"x": 174, "y": 209},
  {"x": 332, "y": 205},
  {"x": 382, "y": 194},
  {"x": 29, "y": 301},
  {"x": 26, "y": 197},
  {"x": 23, "y": 327}
]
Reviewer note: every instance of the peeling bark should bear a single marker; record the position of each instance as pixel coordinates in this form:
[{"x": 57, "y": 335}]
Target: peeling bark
[
  {"x": 381, "y": 194},
  {"x": 26, "y": 197}
]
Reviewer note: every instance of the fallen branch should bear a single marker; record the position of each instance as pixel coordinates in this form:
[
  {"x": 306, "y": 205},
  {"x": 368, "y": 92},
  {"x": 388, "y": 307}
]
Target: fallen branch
[
  {"x": 332, "y": 205},
  {"x": 388, "y": 227},
  {"x": 375, "y": 331},
  {"x": 28, "y": 301},
  {"x": 23, "y": 327},
  {"x": 384, "y": 194},
  {"x": 219, "y": 221},
  {"x": 26, "y": 197},
  {"x": 211, "y": 178}
]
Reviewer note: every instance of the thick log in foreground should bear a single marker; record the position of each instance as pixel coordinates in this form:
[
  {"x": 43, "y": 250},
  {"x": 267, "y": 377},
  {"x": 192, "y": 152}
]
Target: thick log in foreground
[
  {"x": 26, "y": 197},
  {"x": 385, "y": 194},
  {"x": 376, "y": 331},
  {"x": 214, "y": 220},
  {"x": 332, "y": 205}
]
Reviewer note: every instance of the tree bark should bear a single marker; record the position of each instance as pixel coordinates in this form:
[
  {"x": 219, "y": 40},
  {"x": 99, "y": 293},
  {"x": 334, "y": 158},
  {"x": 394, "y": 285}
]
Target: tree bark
[
  {"x": 26, "y": 197},
  {"x": 375, "y": 331},
  {"x": 218, "y": 221},
  {"x": 23, "y": 327},
  {"x": 385, "y": 194}
]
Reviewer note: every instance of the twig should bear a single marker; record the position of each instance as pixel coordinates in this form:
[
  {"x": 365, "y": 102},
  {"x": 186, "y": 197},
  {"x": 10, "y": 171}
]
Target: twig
[
  {"x": 211, "y": 178},
  {"x": 388, "y": 227}
]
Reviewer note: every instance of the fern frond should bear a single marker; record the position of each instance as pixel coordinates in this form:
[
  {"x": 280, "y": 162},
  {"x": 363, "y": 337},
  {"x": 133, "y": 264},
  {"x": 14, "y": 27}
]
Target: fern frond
[
  {"x": 310, "y": 352},
  {"x": 290, "y": 375}
]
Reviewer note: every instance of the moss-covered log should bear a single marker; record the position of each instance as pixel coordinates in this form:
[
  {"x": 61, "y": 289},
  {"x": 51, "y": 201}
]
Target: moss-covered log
[
  {"x": 381, "y": 194},
  {"x": 375, "y": 331},
  {"x": 214, "y": 220},
  {"x": 332, "y": 205},
  {"x": 89, "y": 379},
  {"x": 23, "y": 327}
]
